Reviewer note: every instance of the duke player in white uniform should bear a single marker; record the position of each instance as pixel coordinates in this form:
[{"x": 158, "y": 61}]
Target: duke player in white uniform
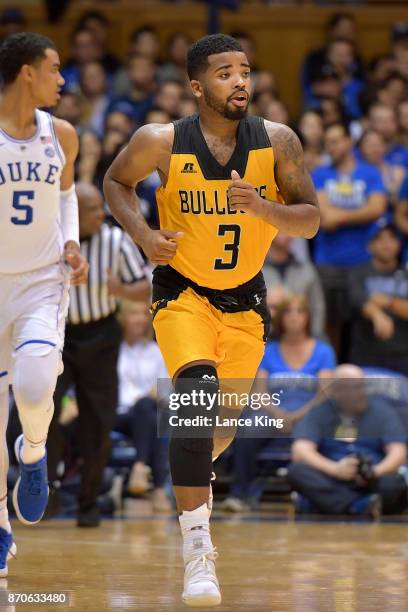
[{"x": 39, "y": 256}]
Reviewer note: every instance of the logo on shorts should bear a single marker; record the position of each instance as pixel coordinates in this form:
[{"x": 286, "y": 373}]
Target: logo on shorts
[
  {"x": 257, "y": 299},
  {"x": 189, "y": 168}
]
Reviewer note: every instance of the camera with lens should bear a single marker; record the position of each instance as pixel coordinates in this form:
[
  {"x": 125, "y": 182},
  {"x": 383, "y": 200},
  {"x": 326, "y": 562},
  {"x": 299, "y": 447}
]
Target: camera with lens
[{"x": 365, "y": 467}]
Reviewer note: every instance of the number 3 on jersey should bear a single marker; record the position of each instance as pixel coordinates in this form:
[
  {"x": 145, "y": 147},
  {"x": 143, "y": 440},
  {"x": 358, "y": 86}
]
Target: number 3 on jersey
[
  {"x": 26, "y": 211},
  {"x": 233, "y": 246}
]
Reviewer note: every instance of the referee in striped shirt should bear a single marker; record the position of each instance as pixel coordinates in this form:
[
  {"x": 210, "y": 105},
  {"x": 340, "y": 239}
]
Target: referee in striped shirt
[{"x": 93, "y": 336}]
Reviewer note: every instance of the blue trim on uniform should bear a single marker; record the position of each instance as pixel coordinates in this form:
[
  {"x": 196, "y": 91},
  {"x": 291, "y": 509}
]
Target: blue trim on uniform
[
  {"x": 55, "y": 139},
  {"x": 18, "y": 140},
  {"x": 3, "y": 373},
  {"x": 36, "y": 342}
]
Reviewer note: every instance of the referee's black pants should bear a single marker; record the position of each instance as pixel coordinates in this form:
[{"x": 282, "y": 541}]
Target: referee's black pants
[{"x": 90, "y": 365}]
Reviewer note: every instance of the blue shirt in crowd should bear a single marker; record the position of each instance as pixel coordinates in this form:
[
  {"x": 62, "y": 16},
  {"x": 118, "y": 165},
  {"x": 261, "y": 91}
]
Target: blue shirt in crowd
[
  {"x": 403, "y": 194},
  {"x": 377, "y": 426},
  {"x": 397, "y": 156},
  {"x": 298, "y": 386},
  {"x": 346, "y": 246}
]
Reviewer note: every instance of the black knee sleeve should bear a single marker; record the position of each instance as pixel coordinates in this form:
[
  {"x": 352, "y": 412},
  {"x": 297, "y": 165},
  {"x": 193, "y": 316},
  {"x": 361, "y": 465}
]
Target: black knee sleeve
[{"x": 191, "y": 445}]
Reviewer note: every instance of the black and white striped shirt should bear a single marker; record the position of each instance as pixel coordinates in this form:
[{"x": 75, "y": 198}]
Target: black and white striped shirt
[{"x": 110, "y": 249}]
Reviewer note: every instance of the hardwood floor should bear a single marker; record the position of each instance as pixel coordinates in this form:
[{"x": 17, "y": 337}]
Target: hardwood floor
[{"x": 266, "y": 563}]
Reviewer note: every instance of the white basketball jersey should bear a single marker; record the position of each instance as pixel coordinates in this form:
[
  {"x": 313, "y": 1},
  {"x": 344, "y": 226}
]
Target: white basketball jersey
[{"x": 30, "y": 218}]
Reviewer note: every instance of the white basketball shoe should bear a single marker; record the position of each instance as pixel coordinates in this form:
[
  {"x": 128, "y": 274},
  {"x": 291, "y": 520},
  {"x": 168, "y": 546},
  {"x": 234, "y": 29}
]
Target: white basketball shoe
[{"x": 201, "y": 588}]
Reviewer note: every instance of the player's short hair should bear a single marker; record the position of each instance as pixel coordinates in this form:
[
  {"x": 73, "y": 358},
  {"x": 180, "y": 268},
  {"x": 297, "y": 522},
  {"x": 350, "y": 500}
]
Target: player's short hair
[
  {"x": 20, "y": 49},
  {"x": 197, "y": 56}
]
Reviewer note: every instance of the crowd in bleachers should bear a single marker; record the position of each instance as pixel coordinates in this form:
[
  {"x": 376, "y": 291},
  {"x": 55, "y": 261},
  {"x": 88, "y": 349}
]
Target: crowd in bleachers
[{"x": 342, "y": 297}]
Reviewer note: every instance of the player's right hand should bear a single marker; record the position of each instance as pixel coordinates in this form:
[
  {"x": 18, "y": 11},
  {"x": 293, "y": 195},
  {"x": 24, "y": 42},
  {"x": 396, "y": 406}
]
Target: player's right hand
[{"x": 160, "y": 246}]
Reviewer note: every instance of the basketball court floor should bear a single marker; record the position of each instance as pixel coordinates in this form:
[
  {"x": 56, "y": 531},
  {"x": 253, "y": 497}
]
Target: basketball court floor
[{"x": 267, "y": 561}]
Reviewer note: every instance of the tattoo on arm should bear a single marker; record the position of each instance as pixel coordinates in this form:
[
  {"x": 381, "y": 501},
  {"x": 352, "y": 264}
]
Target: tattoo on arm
[{"x": 291, "y": 176}]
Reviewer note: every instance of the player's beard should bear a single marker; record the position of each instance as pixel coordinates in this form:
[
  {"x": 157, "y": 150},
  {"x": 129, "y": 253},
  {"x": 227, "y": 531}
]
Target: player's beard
[{"x": 221, "y": 107}]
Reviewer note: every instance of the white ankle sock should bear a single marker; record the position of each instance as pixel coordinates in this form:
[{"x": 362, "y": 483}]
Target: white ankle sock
[
  {"x": 4, "y": 522},
  {"x": 32, "y": 452},
  {"x": 195, "y": 529}
]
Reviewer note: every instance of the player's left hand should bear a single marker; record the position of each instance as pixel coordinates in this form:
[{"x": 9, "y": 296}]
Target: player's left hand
[
  {"x": 242, "y": 196},
  {"x": 78, "y": 263}
]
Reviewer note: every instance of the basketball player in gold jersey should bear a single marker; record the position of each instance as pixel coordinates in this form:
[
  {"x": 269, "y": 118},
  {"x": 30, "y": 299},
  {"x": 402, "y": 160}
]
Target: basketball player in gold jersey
[{"x": 229, "y": 183}]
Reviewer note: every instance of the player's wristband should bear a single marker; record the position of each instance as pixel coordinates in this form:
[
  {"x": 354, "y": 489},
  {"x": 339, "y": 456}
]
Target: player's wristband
[{"x": 69, "y": 215}]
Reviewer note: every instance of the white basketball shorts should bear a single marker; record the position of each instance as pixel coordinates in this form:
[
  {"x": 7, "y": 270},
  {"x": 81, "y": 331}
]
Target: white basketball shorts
[{"x": 33, "y": 308}]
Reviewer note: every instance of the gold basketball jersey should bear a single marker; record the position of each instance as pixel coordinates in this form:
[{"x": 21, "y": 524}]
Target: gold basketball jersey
[{"x": 220, "y": 248}]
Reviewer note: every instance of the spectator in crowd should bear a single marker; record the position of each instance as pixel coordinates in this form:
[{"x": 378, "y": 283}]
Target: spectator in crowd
[
  {"x": 248, "y": 44},
  {"x": 378, "y": 293},
  {"x": 90, "y": 150},
  {"x": 145, "y": 41},
  {"x": 84, "y": 49},
  {"x": 403, "y": 123},
  {"x": 294, "y": 349},
  {"x": 91, "y": 348},
  {"x": 175, "y": 67},
  {"x": 188, "y": 107},
  {"x": 69, "y": 108},
  {"x": 311, "y": 133},
  {"x": 347, "y": 452},
  {"x": 325, "y": 85},
  {"x": 99, "y": 25},
  {"x": 168, "y": 97},
  {"x": 157, "y": 115},
  {"x": 393, "y": 90},
  {"x": 12, "y": 20},
  {"x": 283, "y": 268},
  {"x": 140, "y": 366},
  {"x": 401, "y": 216},
  {"x": 95, "y": 97},
  {"x": 342, "y": 58},
  {"x": 341, "y": 26},
  {"x": 294, "y": 362},
  {"x": 332, "y": 111},
  {"x": 141, "y": 86},
  {"x": 261, "y": 101},
  {"x": 351, "y": 196},
  {"x": 121, "y": 118},
  {"x": 400, "y": 54},
  {"x": 379, "y": 69},
  {"x": 276, "y": 111},
  {"x": 264, "y": 82},
  {"x": 373, "y": 149},
  {"x": 383, "y": 119},
  {"x": 116, "y": 135}
]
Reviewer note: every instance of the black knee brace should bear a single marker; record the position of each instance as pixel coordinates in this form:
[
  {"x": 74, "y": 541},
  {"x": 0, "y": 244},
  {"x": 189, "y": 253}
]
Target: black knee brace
[{"x": 191, "y": 446}]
